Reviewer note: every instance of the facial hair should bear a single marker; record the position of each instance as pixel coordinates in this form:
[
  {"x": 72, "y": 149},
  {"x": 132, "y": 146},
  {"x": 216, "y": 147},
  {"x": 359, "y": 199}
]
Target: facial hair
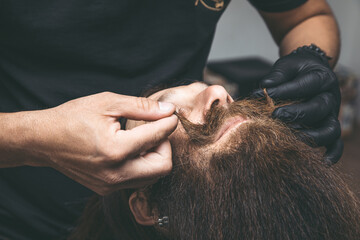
[
  {"x": 202, "y": 134},
  {"x": 263, "y": 184}
]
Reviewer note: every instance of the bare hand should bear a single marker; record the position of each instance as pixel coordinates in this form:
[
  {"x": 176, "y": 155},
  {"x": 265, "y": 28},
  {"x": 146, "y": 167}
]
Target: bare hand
[{"x": 83, "y": 139}]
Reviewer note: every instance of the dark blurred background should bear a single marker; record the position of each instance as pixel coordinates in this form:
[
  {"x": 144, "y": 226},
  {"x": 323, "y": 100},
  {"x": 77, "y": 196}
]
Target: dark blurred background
[{"x": 243, "y": 49}]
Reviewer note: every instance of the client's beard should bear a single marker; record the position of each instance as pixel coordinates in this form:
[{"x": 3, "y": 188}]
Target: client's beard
[
  {"x": 263, "y": 184},
  {"x": 202, "y": 134}
]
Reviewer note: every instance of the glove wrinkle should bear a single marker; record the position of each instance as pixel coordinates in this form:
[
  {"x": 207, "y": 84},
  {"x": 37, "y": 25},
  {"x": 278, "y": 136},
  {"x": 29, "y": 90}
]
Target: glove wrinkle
[
  {"x": 307, "y": 113},
  {"x": 327, "y": 134}
]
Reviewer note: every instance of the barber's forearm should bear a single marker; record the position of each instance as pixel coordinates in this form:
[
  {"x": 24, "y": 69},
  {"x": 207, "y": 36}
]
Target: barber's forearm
[
  {"x": 17, "y": 138},
  {"x": 321, "y": 30}
]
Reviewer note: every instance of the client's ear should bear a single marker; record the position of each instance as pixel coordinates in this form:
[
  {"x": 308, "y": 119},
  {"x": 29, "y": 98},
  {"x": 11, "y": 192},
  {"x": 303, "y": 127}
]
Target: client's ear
[{"x": 140, "y": 209}]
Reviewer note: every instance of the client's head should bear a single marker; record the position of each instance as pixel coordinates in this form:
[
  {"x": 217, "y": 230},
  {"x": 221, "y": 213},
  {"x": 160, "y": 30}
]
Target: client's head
[{"x": 238, "y": 174}]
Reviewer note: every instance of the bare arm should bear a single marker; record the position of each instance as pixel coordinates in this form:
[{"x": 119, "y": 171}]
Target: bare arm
[
  {"x": 13, "y": 138},
  {"x": 313, "y": 22},
  {"x": 21, "y": 137}
]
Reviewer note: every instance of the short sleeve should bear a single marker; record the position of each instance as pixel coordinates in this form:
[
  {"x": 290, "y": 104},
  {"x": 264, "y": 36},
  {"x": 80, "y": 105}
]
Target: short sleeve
[{"x": 276, "y": 5}]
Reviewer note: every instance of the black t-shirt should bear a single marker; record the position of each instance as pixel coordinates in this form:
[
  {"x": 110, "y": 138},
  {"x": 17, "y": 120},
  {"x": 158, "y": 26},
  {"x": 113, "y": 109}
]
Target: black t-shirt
[
  {"x": 276, "y": 5},
  {"x": 53, "y": 51}
]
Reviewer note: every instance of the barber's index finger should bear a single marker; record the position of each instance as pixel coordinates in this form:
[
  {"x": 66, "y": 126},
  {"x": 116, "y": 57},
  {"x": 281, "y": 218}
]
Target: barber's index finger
[
  {"x": 140, "y": 108},
  {"x": 142, "y": 138}
]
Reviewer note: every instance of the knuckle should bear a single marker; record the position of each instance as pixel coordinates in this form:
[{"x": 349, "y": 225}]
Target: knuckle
[
  {"x": 144, "y": 103},
  {"x": 109, "y": 96},
  {"x": 105, "y": 94}
]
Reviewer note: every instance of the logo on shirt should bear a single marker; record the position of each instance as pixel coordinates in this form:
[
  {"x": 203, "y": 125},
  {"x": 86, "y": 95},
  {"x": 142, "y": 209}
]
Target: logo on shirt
[{"x": 214, "y": 5}]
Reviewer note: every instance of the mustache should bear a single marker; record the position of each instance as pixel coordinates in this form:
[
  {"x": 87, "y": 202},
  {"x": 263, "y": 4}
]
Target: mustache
[{"x": 202, "y": 134}]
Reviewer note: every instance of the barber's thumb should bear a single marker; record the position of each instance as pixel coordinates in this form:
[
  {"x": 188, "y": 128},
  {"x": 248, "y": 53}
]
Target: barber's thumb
[
  {"x": 144, "y": 137},
  {"x": 140, "y": 108}
]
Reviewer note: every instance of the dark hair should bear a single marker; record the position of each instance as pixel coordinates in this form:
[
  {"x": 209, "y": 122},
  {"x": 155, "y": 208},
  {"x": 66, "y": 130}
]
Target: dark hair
[
  {"x": 266, "y": 185},
  {"x": 110, "y": 218}
]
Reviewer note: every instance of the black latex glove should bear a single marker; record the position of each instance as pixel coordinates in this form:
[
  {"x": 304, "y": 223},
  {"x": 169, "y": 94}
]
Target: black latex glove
[{"x": 305, "y": 75}]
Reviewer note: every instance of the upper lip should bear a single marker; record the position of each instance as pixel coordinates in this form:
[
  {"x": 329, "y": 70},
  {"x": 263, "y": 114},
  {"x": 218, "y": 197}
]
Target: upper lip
[{"x": 230, "y": 124}]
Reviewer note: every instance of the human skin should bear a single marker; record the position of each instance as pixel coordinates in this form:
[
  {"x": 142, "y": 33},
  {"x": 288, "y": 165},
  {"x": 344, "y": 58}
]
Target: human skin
[
  {"x": 83, "y": 139},
  {"x": 300, "y": 73},
  {"x": 261, "y": 165},
  {"x": 147, "y": 215},
  {"x": 192, "y": 101},
  {"x": 312, "y": 22}
]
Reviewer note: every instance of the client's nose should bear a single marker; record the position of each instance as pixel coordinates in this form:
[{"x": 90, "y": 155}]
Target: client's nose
[{"x": 216, "y": 95}]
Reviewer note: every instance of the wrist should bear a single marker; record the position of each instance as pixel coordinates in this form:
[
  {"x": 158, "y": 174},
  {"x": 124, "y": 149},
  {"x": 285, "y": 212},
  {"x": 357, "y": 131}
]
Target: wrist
[
  {"x": 315, "y": 51},
  {"x": 20, "y": 138}
]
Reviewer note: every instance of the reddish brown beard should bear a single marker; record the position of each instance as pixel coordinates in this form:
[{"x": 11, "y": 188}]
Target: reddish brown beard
[
  {"x": 202, "y": 134},
  {"x": 264, "y": 184},
  {"x": 198, "y": 140}
]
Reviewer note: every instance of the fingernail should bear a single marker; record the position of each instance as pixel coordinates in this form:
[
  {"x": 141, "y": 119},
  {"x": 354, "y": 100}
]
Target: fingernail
[{"x": 165, "y": 107}]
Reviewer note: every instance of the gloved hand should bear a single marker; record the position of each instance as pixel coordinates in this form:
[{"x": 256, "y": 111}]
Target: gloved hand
[{"x": 305, "y": 75}]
